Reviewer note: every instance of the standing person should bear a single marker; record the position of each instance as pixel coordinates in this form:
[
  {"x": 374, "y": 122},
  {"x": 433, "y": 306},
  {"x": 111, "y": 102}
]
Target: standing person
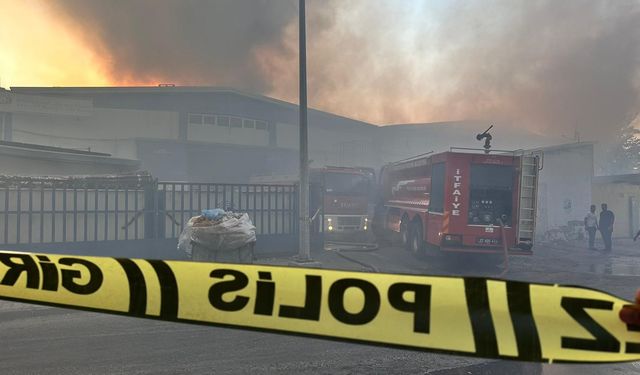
[
  {"x": 591, "y": 226},
  {"x": 606, "y": 226}
]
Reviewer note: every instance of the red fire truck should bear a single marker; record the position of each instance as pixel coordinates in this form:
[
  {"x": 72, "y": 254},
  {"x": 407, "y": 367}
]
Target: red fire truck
[
  {"x": 346, "y": 198},
  {"x": 340, "y": 198},
  {"x": 461, "y": 202}
]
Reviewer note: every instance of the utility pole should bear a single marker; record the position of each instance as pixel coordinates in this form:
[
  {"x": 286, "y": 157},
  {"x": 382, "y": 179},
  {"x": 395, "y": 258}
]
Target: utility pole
[{"x": 304, "y": 253}]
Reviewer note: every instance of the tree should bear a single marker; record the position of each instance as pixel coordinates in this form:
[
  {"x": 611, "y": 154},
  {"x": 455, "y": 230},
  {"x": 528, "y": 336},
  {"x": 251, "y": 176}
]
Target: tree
[{"x": 624, "y": 154}]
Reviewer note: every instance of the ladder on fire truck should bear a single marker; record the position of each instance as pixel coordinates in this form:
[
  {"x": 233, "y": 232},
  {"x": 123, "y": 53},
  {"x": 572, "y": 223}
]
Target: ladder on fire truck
[{"x": 530, "y": 165}]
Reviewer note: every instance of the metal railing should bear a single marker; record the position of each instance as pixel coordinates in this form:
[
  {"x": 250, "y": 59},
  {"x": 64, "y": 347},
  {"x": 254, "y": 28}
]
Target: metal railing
[
  {"x": 272, "y": 208},
  {"x": 41, "y": 213},
  {"x": 42, "y": 210}
]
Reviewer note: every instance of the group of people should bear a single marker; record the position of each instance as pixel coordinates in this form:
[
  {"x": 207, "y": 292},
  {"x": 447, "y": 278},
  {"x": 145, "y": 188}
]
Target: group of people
[
  {"x": 629, "y": 314},
  {"x": 604, "y": 224}
]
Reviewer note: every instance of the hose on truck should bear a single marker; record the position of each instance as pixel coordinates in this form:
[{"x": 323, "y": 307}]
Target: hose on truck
[{"x": 503, "y": 233}]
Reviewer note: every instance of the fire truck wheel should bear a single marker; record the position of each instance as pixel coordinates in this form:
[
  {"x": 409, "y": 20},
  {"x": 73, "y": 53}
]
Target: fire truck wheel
[
  {"x": 416, "y": 239},
  {"x": 404, "y": 233}
]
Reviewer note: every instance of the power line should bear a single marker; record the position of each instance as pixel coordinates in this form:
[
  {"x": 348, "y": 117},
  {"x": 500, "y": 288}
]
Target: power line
[{"x": 70, "y": 138}]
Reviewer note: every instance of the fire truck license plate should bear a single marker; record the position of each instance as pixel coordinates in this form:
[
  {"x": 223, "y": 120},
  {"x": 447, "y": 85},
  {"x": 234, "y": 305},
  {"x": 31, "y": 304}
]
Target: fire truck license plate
[{"x": 488, "y": 241}]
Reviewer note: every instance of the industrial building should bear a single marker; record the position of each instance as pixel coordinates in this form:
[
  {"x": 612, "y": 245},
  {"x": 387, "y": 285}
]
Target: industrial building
[
  {"x": 219, "y": 134},
  {"x": 621, "y": 193},
  {"x": 43, "y": 136},
  {"x": 189, "y": 133},
  {"x": 215, "y": 134},
  {"x": 564, "y": 186}
]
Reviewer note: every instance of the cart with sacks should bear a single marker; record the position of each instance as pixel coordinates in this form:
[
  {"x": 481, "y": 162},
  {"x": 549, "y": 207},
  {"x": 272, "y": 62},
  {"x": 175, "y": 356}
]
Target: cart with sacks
[{"x": 219, "y": 236}]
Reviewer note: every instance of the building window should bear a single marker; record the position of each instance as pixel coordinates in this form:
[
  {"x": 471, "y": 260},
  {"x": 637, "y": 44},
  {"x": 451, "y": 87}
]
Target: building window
[
  {"x": 195, "y": 119},
  {"x": 223, "y": 121},
  {"x": 209, "y": 120},
  {"x": 227, "y": 121},
  {"x": 236, "y": 122}
]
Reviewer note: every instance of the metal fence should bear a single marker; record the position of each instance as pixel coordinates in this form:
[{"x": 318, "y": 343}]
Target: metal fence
[
  {"x": 39, "y": 214},
  {"x": 38, "y": 211},
  {"x": 272, "y": 208}
]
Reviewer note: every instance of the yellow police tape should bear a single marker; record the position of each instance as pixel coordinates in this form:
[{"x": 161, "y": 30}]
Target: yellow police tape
[{"x": 460, "y": 315}]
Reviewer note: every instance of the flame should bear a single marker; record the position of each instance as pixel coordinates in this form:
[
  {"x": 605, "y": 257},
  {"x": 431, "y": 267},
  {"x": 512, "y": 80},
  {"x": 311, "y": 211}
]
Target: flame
[{"x": 39, "y": 50}]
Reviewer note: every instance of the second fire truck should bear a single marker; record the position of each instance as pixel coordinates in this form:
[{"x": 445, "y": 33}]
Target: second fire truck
[
  {"x": 345, "y": 200},
  {"x": 461, "y": 202},
  {"x": 340, "y": 199}
]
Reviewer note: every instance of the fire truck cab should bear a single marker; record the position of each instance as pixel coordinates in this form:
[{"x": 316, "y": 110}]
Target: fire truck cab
[
  {"x": 346, "y": 197},
  {"x": 462, "y": 202},
  {"x": 341, "y": 198}
]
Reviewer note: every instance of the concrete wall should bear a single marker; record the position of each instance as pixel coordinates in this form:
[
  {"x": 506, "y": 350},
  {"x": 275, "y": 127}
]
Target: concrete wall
[
  {"x": 564, "y": 186},
  {"x": 15, "y": 165},
  {"x": 206, "y": 162},
  {"x": 624, "y": 200},
  {"x": 106, "y": 130},
  {"x": 216, "y": 128},
  {"x": 337, "y": 146}
]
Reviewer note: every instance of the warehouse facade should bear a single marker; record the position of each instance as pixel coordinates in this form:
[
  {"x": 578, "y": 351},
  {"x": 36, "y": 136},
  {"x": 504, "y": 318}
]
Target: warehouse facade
[
  {"x": 194, "y": 133},
  {"x": 216, "y": 134}
]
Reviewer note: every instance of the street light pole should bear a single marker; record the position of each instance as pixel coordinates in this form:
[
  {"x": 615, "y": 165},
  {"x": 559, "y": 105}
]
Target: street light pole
[{"x": 304, "y": 252}]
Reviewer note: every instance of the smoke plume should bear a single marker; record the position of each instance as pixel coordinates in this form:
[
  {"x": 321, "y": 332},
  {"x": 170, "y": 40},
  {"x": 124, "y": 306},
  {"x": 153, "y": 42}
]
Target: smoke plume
[
  {"x": 556, "y": 67},
  {"x": 186, "y": 42}
]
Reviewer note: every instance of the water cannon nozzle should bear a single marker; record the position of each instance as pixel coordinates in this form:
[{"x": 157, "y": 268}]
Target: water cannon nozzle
[{"x": 487, "y": 139}]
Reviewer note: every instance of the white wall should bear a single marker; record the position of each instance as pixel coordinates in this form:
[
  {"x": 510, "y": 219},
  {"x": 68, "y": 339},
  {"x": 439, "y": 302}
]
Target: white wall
[
  {"x": 340, "y": 147},
  {"x": 287, "y": 136},
  {"x": 106, "y": 130},
  {"x": 229, "y": 135},
  {"x": 622, "y": 199},
  {"x": 17, "y": 165},
  {"x": 564, "y": 187}
]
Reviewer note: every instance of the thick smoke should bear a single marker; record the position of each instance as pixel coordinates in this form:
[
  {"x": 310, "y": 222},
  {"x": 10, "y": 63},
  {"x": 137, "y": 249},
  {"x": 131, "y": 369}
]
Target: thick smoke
[
  {"x": 186, "y": 42},
  {"x": 558, "y": 67}
]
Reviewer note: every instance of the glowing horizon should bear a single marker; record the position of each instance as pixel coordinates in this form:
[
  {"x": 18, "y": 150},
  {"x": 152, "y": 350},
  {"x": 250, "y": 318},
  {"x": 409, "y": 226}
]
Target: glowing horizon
[{"x": 548, "y": 66}]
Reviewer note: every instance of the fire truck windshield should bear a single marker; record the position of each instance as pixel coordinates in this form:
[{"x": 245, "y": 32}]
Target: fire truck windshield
[
  {"x": 346, "y": 183},
  {"x": 491, "y": 194}
]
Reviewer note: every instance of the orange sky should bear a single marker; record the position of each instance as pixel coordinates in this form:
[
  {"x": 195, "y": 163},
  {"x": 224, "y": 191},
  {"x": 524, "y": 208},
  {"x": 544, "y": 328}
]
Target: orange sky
[
  {"x": 577, "y": 73},
  {"x": 54, "y": 57}
]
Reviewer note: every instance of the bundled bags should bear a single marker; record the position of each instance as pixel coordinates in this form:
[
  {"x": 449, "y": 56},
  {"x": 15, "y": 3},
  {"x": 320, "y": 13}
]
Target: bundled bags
[{"x": 224, "y": 232}]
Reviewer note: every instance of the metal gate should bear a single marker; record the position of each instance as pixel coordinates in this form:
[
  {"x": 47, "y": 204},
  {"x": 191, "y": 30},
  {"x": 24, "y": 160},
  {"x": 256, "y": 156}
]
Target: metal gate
[
  {"x": 272, "y": 208},
  {"x": 134, "y": 215}
]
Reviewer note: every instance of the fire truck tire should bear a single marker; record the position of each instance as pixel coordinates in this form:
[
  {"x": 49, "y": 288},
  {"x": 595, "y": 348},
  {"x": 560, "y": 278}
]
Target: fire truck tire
[
  {"x": 416, "y": 239},
  {"x": 404, "y": 232}
]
